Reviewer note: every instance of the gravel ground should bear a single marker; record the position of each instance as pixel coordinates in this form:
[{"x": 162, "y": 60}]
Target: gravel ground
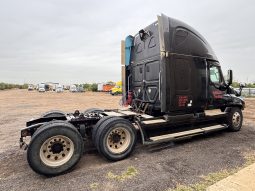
[{"x": 156, "y": 167}]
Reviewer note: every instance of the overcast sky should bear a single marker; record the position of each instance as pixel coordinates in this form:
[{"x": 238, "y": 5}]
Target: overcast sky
[{"x": 77, "y": 41}]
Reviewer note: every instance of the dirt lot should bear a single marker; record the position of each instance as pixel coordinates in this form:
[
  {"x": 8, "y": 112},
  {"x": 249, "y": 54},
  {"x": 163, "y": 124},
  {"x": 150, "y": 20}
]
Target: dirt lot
[{"x": 157, "y": 167}]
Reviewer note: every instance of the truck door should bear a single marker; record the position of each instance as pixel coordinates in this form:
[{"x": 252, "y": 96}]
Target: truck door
[
  {"x": 186, "y": 80},
  {"x": 215, "y": 97}
]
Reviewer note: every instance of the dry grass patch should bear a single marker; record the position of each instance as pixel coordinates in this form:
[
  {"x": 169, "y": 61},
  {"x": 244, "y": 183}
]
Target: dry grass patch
[
  {"x": 128, "y": 174},
  {"x": 212, "y": 178}
]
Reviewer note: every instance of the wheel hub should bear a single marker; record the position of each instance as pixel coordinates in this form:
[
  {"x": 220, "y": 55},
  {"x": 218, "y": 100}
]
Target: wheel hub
[
  {"x": 118, "y": 140},
  {"x": 56, "y": 151},
  {"x": 236, "y": 119},
  {"x": 115, "y": 138},
  {"x": 57, "y": 148}
]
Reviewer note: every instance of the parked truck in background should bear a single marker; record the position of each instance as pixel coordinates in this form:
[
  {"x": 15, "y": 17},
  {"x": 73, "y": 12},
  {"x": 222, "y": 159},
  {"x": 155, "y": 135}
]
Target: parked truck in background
[
  {"x": 73, "y": 88},
  {"x": 30, "y": 87},
  {"x": 80, "y": 89},
  {"x": 59, "y": 88},
  {"x": 100, "y": 87},
  {"x": 117, "y": 89},
  {"x": 41, "y": 88},
  {"x": 172, "y": 80},
  {"x": 107, "y": 87}
]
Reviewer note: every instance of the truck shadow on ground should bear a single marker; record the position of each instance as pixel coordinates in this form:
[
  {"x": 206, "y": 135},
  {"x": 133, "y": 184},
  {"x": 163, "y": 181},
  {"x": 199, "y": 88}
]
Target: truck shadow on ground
[{"x": 90, "y": 148}]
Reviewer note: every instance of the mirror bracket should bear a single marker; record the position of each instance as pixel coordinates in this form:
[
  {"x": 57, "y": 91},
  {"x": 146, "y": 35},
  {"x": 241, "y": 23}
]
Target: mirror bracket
[{"x": 143, "y": 34}]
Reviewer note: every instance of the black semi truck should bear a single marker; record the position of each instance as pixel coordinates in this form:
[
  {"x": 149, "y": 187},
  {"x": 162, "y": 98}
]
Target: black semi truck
[{"x": 173, "y": 86}]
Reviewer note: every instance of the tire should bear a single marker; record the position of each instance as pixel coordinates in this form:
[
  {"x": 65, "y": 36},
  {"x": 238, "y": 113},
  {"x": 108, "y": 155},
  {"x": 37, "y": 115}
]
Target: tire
[
  {"x": 116, "y": 138},
  {"x": 53, "y": 113},
  {"x": 48, "y": 123},
  {"x": 235, "y": 119},
  {"x": 55, "y": 148},
  {"x": 96, "y": 127},
  {"x": 96, "y": 110}
]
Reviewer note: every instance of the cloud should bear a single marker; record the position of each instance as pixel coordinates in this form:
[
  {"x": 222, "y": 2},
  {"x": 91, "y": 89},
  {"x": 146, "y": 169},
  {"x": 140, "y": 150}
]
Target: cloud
[{"x": 79, "y": 41}]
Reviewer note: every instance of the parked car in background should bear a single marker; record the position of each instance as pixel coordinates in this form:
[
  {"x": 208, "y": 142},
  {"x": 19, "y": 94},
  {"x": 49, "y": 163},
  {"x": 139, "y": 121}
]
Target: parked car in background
[
  {"x": 73, "y": 88},
  {"x": 30, "y": 87},
  {"x": 59, "y": 88},
  {"x": 41, "y": 88}
]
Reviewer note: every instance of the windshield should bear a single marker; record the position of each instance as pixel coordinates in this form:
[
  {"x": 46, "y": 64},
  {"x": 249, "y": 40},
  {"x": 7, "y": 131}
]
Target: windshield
[{"x": 41, "y": 85}]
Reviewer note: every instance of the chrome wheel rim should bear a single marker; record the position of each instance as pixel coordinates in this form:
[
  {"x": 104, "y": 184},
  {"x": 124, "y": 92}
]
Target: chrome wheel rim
[
  {"x": 236, "y": 119},
  {"x": 118, "y": 140},
  {"x": 56, "y": 150}
]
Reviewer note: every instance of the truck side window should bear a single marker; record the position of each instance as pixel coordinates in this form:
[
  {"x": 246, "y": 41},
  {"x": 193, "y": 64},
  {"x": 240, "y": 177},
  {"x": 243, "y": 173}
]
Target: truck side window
[{"x": 215, "y": 74}]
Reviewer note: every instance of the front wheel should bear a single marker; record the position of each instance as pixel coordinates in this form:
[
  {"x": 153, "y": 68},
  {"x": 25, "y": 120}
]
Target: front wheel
[
  {"x": 55, "y": 148},
  {"x": 235, "y": 119}
]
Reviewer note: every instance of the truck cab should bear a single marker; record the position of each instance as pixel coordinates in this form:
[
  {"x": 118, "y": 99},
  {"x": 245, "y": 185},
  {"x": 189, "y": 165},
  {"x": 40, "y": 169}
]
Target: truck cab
[
  {"x": 173, "y": 70},
  {"x": 41, "y": 88}
]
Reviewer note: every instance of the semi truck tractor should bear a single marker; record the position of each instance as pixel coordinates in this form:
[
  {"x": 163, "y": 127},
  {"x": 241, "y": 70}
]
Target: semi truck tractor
[{"x": 173, "y": 86}]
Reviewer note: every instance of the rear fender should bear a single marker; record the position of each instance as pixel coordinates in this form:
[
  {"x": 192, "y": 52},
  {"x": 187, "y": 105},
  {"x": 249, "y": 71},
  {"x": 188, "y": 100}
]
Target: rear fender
[
  {"x": 29, "y": 131},
  {"x": 229, "y": 107},
  {"x": 45, "y": 119},
  {"x": 34, "y": 124}
]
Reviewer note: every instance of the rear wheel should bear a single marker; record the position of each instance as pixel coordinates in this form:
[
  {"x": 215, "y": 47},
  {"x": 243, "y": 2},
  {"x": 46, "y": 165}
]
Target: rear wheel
[
  {"x": 96, "y": 127},
  {"x": 235, "y": 119},
  {"x": 93, "y": 110},
  {"x": 53, "y": 113},
  {"x": 116, "y": 138},
  {"x": 55, "y": 148}
]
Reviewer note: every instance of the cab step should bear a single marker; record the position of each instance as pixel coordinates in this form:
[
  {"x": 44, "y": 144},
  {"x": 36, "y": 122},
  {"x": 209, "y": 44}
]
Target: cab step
[
  {"x": 184, "y": 134},
  {"x": 154, "y": 121}
]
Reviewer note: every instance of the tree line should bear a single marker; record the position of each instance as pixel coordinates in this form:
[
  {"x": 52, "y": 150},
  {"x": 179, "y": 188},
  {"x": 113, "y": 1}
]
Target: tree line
[
  {"x": 90, "y": 87},
  {"x": 248, "y": 85},
  {"x": 5, "y": 86}
]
